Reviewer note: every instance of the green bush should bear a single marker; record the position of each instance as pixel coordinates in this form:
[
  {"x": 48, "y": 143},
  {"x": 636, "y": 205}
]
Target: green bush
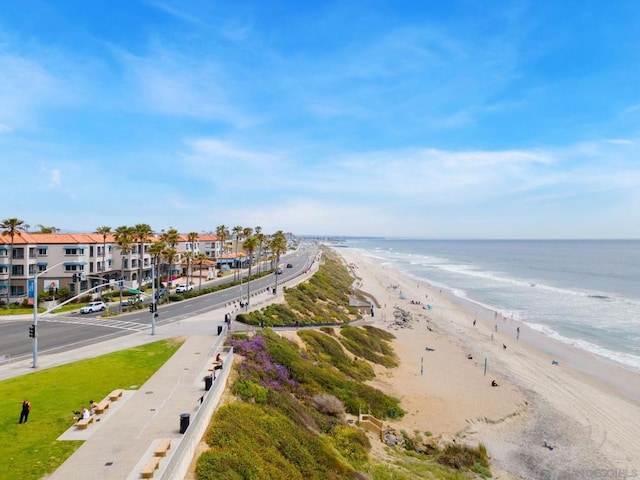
[{"x": 258, "y": 442}]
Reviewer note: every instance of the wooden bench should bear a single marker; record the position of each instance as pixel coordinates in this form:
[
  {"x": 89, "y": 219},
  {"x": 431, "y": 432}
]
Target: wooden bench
[
  {"x": 150, "y": 467},
  {"x": 83, "y": 423},
  {"x": 216, "y": 366},
  {"x": 102, "y": 406},
  {"x": 113, "y": 396},
  {"x": 162, "y": 447}
]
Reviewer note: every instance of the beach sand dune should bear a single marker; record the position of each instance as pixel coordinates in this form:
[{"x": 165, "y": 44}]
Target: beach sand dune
[{"x": 593, "y": 427}]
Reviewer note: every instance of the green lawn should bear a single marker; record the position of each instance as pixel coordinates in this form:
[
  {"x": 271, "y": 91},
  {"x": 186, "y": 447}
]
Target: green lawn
[{"x": 30, "y": 450}]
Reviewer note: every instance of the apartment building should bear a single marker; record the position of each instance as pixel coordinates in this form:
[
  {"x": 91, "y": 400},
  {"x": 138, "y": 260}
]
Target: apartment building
[{"x": 56, "y": 257}]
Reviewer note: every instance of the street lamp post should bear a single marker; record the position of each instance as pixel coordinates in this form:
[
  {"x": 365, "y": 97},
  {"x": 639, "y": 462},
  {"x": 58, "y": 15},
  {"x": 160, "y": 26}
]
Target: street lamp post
[{"x": 35, "y": 312}]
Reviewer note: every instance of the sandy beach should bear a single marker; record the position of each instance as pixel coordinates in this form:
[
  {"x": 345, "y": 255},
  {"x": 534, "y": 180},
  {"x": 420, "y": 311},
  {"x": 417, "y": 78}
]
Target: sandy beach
[{"x": 587, "y": 409}]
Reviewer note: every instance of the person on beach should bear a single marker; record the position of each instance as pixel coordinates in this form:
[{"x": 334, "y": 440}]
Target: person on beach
[
  {"x": 504, "y": 347},
  {"x": 518, "y": 333},
  {"x": 474, "y": 322},
  {"x": 494, "y": 383},
  {"x": 26, "y": 408},
  {"x": 496, "y": 327}
]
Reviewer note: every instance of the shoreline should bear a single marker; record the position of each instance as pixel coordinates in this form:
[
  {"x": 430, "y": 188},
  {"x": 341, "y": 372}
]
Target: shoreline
[{"x": 586, "y": 407}]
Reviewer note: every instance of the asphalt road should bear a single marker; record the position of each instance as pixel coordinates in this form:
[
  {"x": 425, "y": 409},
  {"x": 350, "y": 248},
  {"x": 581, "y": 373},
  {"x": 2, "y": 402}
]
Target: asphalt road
[{"x": 64, "y": 332}]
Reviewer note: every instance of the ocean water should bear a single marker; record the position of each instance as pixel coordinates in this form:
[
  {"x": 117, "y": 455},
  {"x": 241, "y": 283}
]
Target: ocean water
[{"x": 582, "y": 292}]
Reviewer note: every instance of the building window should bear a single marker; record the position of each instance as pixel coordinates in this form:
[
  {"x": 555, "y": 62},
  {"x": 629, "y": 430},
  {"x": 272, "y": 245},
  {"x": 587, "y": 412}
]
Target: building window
[
  {"x": 17, "y": 270},
  {"x": 73, "y": 268},
  {"x": 18, "y": 253},
  {"x": 42, "y": 251},
  {"x": 32, "y": 269},
  {"x": 17, "y": 290},
  {"x": 4, "y": 269},
  {"x": 42, "y": 268},
  {"x": 74, "y": 251}
]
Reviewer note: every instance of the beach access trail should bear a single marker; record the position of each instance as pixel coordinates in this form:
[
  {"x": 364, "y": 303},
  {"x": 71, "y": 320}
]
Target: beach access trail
[{"x": 593, "y": 426}]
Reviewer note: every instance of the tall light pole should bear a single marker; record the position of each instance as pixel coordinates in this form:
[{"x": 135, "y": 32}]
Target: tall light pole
[
  {"x": 35, "y": 312},
  {"x": 154, "y": 305}
]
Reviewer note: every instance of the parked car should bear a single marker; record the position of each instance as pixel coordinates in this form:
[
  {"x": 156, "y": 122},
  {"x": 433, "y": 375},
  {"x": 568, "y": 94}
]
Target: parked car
[
  {"x": 289, "y": 265},
  {"x": 93, "y": 307},
  {"x": 130, "y": 301},
  {"x": 184, "y": 288}
]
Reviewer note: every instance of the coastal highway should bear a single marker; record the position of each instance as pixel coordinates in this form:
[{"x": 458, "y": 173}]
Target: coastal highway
[{"x": 72, "y": 330}]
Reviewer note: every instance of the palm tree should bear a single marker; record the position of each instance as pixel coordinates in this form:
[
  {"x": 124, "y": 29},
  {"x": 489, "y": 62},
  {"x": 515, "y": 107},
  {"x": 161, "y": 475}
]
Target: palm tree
[
  {"x": 192, "y": 238},
  {"x": 200, "y": 258},
  {"x": 237, "y": 230},
  {"x": 249, "y": 246},
  {"x": 125, "y": 238},
  {"x": 155, "y": 250},
  {"x": 261, "y": 239},
  {"x": 171, "y": 238},
  {"x": 222, "y": 232},
  {"x": 278, "y": 246},
  {"x": 143, "y": 233},
  {"x": 169, "y": 254},
  {"x": 12, "y": 227},
  {"x": 104, "y": 231}
]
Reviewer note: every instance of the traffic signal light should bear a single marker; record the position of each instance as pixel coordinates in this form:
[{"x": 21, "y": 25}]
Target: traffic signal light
[
  {"x": 32, "y": 331},
  {"x": 74, "y": 278},
  {"x": 153, "y": 308}
]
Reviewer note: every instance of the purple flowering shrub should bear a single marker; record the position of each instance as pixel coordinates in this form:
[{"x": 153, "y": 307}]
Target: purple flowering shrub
[{"x": 258, "y": 366}]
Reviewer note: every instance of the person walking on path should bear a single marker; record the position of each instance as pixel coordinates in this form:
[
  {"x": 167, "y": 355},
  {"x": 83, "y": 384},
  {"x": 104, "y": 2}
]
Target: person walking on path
[{"x": 24, "y": 414}]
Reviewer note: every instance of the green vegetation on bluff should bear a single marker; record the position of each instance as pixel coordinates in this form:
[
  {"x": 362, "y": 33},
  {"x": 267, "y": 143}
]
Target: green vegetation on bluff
[
  {"x": 323, "y": 299},
  {"x": 291, "y": 423}
]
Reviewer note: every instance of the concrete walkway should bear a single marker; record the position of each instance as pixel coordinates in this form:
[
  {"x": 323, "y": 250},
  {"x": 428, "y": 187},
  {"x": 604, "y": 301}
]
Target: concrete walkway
[{"x": 120, "y": 443}]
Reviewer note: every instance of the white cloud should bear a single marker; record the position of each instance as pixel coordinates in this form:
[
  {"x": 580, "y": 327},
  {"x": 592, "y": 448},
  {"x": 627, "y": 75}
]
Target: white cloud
[{"x": 55, "y": 178}]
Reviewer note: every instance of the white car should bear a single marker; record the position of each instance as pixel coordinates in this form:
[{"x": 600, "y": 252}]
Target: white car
[
  {"x": 93, "y": 307},
  {"x": 184, "y": 288}
]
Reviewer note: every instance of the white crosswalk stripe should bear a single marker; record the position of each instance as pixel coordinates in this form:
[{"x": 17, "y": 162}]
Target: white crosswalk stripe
[{"x": 101, "y": 322}]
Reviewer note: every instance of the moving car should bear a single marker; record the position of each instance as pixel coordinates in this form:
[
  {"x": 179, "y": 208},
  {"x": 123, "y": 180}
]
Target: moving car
[
  {"x": 184, "y": 288},
  {"x": 93, "y": 307},
  {"x": 289, "y": 265}
]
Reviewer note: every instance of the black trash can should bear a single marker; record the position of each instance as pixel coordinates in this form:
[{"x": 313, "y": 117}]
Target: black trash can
[
  {"x": 219, "y": 329},
  {"x": 184, "y": 422},
  {"x": 208, "y": 381}
]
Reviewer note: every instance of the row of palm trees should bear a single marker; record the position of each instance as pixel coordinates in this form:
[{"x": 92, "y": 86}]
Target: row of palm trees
[{"x": 163, "y": 250}]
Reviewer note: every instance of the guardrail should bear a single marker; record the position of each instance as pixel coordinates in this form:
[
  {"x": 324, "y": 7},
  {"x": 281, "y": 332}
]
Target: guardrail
[{"x": 181, "y": 458}]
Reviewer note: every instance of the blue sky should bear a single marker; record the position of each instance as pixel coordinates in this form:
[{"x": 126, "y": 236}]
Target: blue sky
[{"x": 456, "y": 119}]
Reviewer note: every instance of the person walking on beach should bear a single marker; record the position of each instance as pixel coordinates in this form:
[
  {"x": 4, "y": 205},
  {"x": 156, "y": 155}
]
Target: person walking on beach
[
  {"x": 26, "y": 408},
  {"x": 518, "y": 333},
  {"x": 474, "y": 322}
]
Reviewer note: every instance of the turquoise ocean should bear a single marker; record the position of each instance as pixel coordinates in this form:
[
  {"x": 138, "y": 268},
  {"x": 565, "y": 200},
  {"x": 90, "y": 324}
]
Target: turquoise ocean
[{"x": 585, "y": 293}]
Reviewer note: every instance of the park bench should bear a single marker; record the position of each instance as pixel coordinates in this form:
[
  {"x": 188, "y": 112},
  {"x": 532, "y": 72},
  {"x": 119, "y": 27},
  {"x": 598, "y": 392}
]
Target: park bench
[
  {"x": 83, "y": 423},
  {"x": 162, "y": 447},
  {"x": 113, "y": 396},
  {"x": 102, "y": 406},
  {"x": 150, "y": 467},
  {"x": 216, "y": 366}
]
